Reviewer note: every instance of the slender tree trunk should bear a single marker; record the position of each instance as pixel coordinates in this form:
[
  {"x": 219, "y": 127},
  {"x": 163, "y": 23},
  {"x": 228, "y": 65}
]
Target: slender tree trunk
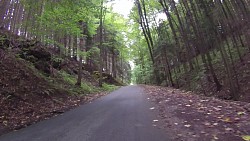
[
  {"x": 100, "y": 46},
  {"x": 143, "y": 21},
  {"x": 3, "y": 9}
]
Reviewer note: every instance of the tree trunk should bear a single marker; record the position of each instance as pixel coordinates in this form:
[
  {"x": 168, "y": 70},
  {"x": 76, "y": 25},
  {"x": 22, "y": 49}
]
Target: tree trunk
[{"x": 100, "y": 46}]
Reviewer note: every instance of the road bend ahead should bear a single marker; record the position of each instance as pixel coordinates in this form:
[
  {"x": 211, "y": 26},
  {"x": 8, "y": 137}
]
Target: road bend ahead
[{"x": 123, "y": 115}]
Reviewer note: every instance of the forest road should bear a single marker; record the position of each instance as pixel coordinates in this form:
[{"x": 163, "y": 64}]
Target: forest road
[{"x": 123, "y": 115}]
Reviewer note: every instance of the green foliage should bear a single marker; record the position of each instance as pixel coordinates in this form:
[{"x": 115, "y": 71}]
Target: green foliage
[
  {"x": 93, "y": 51},
  {"x": 68, "y": 78},
  {"x": 87, "y": 88},
  {"x": 53, "y": 21},
  {"x": 143, "y": 74},
  {"x": 62, "y": 17},
  {"x": 2, "y": 39},
  {"x": 71, "y": 80},
  {"x": 83, "y": 53},
  {"x": 96, "y": 75},
  {"x": 117, "y": 32},
  {"x": 109, "y": 88}
]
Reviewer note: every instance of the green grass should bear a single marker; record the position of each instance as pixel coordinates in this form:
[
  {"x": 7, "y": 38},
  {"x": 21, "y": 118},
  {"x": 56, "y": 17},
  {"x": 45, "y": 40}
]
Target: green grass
[
  {"x": 85, "y": 88},
  {"x": 108, "y": 87},
  {"x": 68, "y": 78},
  {"x": 71, "y": 80}
]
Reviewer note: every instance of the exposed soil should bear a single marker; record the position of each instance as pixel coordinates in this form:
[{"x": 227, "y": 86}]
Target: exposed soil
[{"x": 190, "y": 117}]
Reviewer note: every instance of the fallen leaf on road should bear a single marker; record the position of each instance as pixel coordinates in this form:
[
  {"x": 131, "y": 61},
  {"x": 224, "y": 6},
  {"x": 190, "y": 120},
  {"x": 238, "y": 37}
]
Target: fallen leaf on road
[
  {"x": 229, "y": 129},
  {"x": 179, "y": 135},
  {"x": 241, "y": 113},
  {"x": 202, "y": 132},
  {"x": 215, "y": 124},
  {"x": 187, "y": 125},
  {"x": 246, "y": 137},
  {"x": 5, "y": 123},
  {"x": 203, "y": 100},
  {"x": 215, "y": 137},
  {"x": 207, "y": 124},
  {"x": 227, "y": 120},
  {"x": 217, "y": 109}
]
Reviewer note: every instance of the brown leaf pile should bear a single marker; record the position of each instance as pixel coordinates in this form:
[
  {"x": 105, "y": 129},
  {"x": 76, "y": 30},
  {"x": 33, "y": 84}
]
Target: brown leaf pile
[
  {"x": 16, "y": 113},
  {"x": 192, "y": 117}
]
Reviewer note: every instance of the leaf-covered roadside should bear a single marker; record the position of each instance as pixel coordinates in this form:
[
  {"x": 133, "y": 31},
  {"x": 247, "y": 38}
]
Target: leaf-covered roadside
[
  {"x": 192, "y": 117},
  {"x": 30, "y": 113},
  {"x": 36, "y": 83},
  {"x": 27, "y": 96}
]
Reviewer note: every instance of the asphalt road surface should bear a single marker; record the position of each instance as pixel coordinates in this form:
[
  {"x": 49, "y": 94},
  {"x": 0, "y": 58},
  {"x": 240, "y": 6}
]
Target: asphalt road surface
[{"x": 123, "y": 115}]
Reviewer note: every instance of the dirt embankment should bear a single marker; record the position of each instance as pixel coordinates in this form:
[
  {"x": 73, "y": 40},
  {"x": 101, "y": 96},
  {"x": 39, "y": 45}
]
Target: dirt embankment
[{"x": 31, "y": 88}]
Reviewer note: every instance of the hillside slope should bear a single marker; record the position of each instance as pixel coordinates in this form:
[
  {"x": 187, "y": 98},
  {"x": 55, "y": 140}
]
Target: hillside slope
[
  {"x": 36, "y": 84},
  {"x": 193, "y": 81}
]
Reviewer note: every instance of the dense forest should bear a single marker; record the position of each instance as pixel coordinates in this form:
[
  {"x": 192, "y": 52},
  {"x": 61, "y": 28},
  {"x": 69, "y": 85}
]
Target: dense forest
[
  {"x": 87, "y": 31},
  {"x": 191, "y": 59},
  {"x": 202, "y": 45},
  {"x": 198, "y": 46},
  {"x": 55, "y": 55}
]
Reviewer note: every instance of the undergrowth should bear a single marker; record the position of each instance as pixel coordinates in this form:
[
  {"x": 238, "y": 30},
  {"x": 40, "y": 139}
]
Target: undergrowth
[
  {"x": 192, "y": 80},
  {"x": 85, "y": 88},
  {"x": 65, "y": 81}
]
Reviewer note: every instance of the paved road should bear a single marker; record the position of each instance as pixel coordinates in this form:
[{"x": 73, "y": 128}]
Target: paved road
[{"x": 124, "y": 115}]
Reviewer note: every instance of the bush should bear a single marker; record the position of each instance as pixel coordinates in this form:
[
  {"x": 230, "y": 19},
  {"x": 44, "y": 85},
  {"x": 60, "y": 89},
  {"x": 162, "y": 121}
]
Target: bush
[
  {"x": 68, "y": 78},
  {"x": 108, "y": 87},
  {"x": 87, "y": 88}
]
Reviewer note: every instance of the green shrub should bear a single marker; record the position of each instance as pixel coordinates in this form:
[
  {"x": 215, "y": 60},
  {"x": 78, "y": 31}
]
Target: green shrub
[
  {"x": 107, "y": 87},
  {"x": 68, "y": 78},
  {"x": 87, "y": 88}
]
